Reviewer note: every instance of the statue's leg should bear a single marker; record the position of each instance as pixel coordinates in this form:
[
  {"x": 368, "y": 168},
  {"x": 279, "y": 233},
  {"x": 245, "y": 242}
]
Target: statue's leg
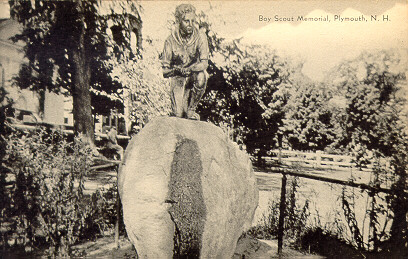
[
  {"x": 186, "y": 97},
  {"x": 199, "y": 83},
  {"x": 177, "y": 95}
]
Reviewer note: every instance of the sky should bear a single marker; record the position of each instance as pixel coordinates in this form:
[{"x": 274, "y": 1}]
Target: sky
[
  {"x": 4, "y": 9},
  {"x": 320, "y": 44}
]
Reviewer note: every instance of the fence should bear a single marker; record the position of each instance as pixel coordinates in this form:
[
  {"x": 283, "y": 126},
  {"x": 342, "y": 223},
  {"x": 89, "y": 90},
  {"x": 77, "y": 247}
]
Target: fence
[
  {"x": 109, "y": 164},
  {"x": 316, "y": 159},
  {"x": 279, "y": 159}
]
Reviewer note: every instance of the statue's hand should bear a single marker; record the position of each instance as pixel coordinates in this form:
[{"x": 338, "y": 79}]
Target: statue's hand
[
  {"x": 181, "y": 71},
  {"x": 176, "y": 71},
  {"x": 184, "y": 71}
]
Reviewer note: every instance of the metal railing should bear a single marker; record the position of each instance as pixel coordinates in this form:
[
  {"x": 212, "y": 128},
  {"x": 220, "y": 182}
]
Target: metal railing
[
  {"x": 109, "y": 164},
  {"x": 281, "y": 167}
]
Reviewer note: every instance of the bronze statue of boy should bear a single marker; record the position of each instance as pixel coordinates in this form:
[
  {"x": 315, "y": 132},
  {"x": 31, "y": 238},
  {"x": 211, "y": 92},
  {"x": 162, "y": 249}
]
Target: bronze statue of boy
[{"x": 185, "y": 60}]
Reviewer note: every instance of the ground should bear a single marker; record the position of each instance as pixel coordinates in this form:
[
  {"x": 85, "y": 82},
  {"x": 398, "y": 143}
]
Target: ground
[{"x": 246, "y": 248}]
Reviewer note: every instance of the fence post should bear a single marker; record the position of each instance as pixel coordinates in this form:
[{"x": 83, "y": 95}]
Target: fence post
[
  {"x": 117, "y": 214},
  {"x": 373, "y": 217},
  {"x": 282, "y": 208},
  {"x": 319, "y": 158}
]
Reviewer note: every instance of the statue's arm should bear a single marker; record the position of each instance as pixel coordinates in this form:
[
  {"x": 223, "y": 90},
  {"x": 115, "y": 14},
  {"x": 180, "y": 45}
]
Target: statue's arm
[
  {"x": 202, "y": 63},
  {"x": 168, "y": 71},
  {"x": 199, "y": 66}
]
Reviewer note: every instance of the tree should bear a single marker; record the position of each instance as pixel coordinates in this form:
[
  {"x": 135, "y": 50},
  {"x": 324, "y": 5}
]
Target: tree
[
  {"x": 375, "y": 87},
  {"x": 308, "y": 123},
  {"x": 145, "y": 91},
  {"x": 66, "y": 44},
  {"x": 247, "y": 91},
  {"x": 5, "y": 104}
]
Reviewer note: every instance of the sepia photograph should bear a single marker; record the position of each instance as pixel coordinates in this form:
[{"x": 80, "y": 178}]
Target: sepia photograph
[{"x": 203, "y": 129}]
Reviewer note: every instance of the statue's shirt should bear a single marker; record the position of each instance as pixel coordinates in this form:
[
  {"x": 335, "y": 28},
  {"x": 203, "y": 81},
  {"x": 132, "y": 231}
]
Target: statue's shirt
[{"x": 180, "y": 52}]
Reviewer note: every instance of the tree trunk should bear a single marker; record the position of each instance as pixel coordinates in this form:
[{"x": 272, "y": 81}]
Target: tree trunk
[
  {"x": 81, "y": 95},
  {"x": 83, "y": 125}
]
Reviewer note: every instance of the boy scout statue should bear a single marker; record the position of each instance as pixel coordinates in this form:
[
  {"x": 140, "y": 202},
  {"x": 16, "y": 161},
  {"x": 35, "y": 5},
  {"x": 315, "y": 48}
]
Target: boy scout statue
[{"x": 185, "y": 60}]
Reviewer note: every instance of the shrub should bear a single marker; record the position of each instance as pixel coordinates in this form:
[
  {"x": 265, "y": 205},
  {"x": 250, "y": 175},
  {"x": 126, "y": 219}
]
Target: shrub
[
  {"x": 295, "y": 217},
  {"x": 45, "y": 205},
  {"x": 318, "y": 240},
  {"x": 267, "y": 228}
]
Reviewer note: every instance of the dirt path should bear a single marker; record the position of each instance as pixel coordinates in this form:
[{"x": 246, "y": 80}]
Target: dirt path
[
  {"x": 97, "y": 180},
  {"x": 246, "y": 248}
]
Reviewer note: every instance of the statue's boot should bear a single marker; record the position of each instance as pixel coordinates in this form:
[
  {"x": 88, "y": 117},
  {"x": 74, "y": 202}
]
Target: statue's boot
[
  {"x": 196, "y": 92},
  {"x": 193, "y": 115},
  {"x": 196, "y": 95}
]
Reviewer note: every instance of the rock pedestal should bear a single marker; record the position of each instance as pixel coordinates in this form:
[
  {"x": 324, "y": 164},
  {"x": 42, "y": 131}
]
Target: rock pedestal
[{"x": 186, "y": 190}]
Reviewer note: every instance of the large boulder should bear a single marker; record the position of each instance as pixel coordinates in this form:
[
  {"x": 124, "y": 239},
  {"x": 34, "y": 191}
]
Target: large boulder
[{"x": 186, "y": 190}]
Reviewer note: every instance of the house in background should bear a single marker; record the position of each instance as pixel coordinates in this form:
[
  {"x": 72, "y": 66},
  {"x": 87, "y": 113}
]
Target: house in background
[
  {"x": 11, "y": 57},
  {"x": 47, "y": 108},
  {"x": 28, "y": 104}
]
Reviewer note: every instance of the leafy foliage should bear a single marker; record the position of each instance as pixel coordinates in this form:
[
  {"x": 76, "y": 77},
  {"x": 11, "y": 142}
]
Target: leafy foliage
[
  {"x": 66, "y": 44},
  {"x": 295, "y": 217},
  {"x": 263, "y": 97},
  {"x": 5, "y": 104},
  {"x": 145, "y": 92},
  {"x": 255, "y": 93},
  {"x": 348, "y": 208},
  {"x": 247, "y": 90},
  {"x": 375, "y": 129},
  {"x": 50, "y": 35},
  {"x": 308, "y": 123},
  {"x": 374, "y": 85},
  {"x": 46, "y": 205}
]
